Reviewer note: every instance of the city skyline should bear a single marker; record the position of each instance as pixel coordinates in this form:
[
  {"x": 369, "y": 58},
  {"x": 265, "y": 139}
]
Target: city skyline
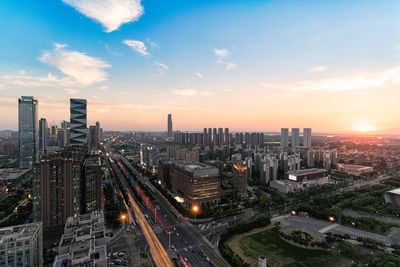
[{"x": 291, "y": 72}]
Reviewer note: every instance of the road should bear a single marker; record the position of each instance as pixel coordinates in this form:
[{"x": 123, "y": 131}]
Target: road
[{"x": 158, "y": 253}]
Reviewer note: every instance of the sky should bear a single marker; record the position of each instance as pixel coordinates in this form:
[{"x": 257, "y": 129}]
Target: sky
[{"x": 247, "y": 65}]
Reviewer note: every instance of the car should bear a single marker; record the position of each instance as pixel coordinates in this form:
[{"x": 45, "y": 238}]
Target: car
[
  {"x": 177, "y": 234},
  {"x": 174, "y": 229},
  {"x": 186, "y": 259},
  {"x": 172, "y": 246},
  {"x": 185, "y": 249}
]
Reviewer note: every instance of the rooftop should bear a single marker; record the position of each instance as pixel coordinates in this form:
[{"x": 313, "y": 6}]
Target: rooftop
[
  {"x": 395, "y": 191},
  {"x": 19, "y": 232},
  {"x": 307, "y": 171},
  {"x": 12, "y": 173},
  {"x": 197, "y": 169}
]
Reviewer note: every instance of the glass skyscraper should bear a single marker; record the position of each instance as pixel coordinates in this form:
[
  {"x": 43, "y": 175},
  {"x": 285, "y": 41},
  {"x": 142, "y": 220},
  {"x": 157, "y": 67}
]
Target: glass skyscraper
[
  {"x": 78, "y": 121},
  {"x": 28, "y": 130}
]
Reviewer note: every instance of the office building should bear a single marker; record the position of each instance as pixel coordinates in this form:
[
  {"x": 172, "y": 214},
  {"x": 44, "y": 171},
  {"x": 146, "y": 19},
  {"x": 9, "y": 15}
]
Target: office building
[
  {"x": 295, "y": 137},
  {"x": 240, "y": 178},
  {"x": 21, "y": 245},
  {"x": 195, "y": 182},
  {"x": 83, "y": 242},
  {"x": 43, "y": 135},
  {"x": 285, "y": 137},
  {"x": 170, "y": 125},
  {"x": 28, "y": 126},
  {"x": 78, "y": 121},
  {"x": 307, "y": 137}
]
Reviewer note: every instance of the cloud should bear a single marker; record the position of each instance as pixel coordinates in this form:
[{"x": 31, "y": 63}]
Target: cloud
[
  {"x": 230, "y": 65},
  {"x": 112, "y": 52},
  {"x": 353, "y": 81},
  {"x": 124, "y": 93},
  {"x": 190, "y": 92},
  {"x": 85, "y": 70},
  {"x": 151, "y": 43},
  {"x": 227, "y": 90},
  {"x": 110, "y": 13},
  {"x": 221, "y": 53},
  {"x": 137, "y": 46},
  {"x": 104, "y": 88},
  {"x": 162, "y": 68},
  {"x": 1, "y": 86},
  {"x": 199, "y": 75},
  {"x": 318, "y": 68},
  {"x": 71, "y": 91},
  {"x": 50, "y": 80}
]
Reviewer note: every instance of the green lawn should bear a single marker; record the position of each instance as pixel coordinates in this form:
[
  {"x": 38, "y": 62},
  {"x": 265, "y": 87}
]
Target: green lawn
[{"x": 281, "y": 253}]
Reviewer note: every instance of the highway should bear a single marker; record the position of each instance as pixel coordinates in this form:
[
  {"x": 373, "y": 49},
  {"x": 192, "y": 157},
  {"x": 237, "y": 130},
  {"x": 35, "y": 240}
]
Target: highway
[{"x": 158, "y": 253}]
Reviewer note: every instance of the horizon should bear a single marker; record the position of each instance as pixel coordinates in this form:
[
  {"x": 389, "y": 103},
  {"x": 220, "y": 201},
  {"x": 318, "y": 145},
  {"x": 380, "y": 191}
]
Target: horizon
[{"x": 254, "y": 66}]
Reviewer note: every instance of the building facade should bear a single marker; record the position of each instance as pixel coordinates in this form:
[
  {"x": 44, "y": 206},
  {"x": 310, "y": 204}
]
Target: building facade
[
  {"x": 21, "y": 245},
  {"x": 285, "y": 137},
  {"x": 240, "y": 170},
  {"x": 43, "y": 136},
  {"x": 196, "y": 182},
  {"x": 170, "y": 134},
  {"x": 295, "y": 137},
  {"x": 307, "y": 137},
  {"x": 78, "y": 121},
  {"x": 28, "y": 126}
]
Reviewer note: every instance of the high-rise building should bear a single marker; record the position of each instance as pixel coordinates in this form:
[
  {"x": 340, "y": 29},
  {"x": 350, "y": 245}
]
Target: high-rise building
[
  {"x": 83, "y": 242},
  {"x": 170, "y": 125},
  {"x": 43, "y": 135},
  {"x": 67, "y": 183},
  {"x": 21, "y": 245},
  {"x": 78, "y": 121},
  {"x": 196, "y": 182},
  {"x": 226, "y": 137},
  {"x": 28, "y": 125},
  {"x": 307, "y": 137},
  {"x": 240, "y": 178},
  {"x": 99, "y": 130},
  {"x": 285, "y": 137},
  {"x": 220, "y": 136},
  {"x": 295, "y": 137}
]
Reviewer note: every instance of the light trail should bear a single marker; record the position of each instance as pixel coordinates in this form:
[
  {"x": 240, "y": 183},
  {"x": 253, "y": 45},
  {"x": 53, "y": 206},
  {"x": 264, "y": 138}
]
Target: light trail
[{"x": 160, "y": 256}]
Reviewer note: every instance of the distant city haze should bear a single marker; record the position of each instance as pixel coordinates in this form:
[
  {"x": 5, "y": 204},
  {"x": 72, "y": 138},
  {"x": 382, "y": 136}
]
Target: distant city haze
[{"x": 332, "y": 66}]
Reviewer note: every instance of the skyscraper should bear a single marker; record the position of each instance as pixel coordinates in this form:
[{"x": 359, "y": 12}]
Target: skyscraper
[
  {"x": 170, "y": 125},
  {"x": 295, "y": 137},
  {"x": 43, "y": 136},
  {"x": 284, "y": 137},
  {"x": 78, "y": 122},
  {"x": 307, "y": 137},
  {"x": 240, "y": 178},
  {"x": 28, "y": 130}
]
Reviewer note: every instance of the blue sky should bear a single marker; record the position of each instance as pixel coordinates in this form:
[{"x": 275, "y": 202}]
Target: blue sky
[{"x": 257, "y": 65}]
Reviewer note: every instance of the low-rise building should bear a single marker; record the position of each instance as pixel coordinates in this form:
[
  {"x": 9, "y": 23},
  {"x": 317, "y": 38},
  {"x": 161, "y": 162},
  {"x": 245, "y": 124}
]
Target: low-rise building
[
  {"x": 301, "y": 180},
  {"x": 354, "y": 169},
  {"x": 14, "y": 176},
  {"x": 393, "y": 197},
  {"x": 21, "y": 245},
  {"x": 3, "y": 192},
  {"x": 83, "y": 242}
]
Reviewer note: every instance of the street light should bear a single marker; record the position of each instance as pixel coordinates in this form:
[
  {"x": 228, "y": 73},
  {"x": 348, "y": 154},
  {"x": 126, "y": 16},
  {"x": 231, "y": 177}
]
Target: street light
[
  {"x": 195, "y": 209},
  {"x": 331, "y": 218}
]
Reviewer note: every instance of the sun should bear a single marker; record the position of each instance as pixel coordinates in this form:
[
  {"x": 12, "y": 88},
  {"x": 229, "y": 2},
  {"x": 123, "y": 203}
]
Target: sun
[{"x": 365, "y": 127}]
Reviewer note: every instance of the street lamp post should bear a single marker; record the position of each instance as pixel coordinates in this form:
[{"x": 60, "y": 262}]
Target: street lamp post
[{"x": 195, "y": 210}]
